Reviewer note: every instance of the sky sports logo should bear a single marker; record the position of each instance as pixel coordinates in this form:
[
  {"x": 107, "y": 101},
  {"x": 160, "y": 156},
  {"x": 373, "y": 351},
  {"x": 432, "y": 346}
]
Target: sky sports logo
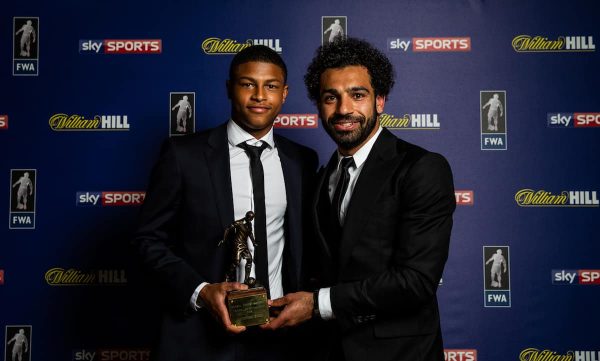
[
  {"x": 573, "y": 120},
  {"x": 111, "y": 354},
  {"x": 464, "y": 197},
  {"x": 576, "y": 277},
  {"x": 460, "y": 355},
  {"x": 120, "y": 46},
  {"x": 446, "y": 44},
  {"x": 110, "y": 199},
  {"x": 296, "y": 121}
]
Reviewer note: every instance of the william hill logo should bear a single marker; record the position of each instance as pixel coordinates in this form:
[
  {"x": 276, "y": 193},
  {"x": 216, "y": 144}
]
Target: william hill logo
[
  {"x": 533, "y": 354},
  {"x": 530, "y": 44},
  {"x": 410, "y": 121},
  {"x": 72, "y": 277},
  {"x": 542, "y": 198},
  {"x": 218, "y": 46},
  {"x": 63, "y": 122}
]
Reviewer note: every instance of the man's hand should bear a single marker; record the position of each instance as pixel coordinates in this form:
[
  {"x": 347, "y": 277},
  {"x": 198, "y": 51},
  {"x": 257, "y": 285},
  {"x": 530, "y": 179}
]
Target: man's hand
[
  {"x": 298, "y": 308},
  {"x": 213, "y": 296}
]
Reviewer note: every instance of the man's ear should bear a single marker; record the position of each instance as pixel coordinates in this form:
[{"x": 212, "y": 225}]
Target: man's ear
[
  {"x": 285, "y": 92},
  {"x": 379, "y": 103}
]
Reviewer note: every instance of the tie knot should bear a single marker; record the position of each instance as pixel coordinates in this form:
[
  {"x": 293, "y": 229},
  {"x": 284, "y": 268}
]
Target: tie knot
[
  {"x": 347, "y": 162},
  {"x": 253, "y": 152}
]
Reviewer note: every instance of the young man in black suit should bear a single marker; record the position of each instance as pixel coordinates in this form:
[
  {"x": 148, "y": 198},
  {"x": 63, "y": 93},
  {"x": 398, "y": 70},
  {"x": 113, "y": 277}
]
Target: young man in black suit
[
  {"x": 382, "y": 215},
  {"x": 199, "y": 186}
]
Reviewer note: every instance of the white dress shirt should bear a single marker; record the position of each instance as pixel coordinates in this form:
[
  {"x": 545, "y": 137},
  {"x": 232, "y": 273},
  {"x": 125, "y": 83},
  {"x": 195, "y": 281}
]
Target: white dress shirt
[
  {"x": 243, "y": 201},
  {"x": 359, "y": 161}
]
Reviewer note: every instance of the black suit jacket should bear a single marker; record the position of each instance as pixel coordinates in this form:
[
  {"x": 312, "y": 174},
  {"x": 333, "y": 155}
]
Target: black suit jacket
[
  {"x": 393, "y": 247},
  {"x": 188, "y": 205}
]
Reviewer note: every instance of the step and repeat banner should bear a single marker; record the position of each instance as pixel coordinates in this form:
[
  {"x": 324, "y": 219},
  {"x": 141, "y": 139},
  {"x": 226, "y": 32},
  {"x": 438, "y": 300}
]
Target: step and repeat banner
[{"x": 506, "y": 90}]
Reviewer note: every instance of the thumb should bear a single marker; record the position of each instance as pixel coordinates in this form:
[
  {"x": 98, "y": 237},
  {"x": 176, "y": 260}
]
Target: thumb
[{"x": 236, "y": 286}]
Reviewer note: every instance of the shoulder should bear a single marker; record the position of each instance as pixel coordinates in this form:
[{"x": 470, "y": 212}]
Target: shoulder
[
  {"x": 196, "y": 141},
  {"x": 298, "y": 149},
  {"x": 412, "y": 154},
  {"x": 417, "y": 163}
]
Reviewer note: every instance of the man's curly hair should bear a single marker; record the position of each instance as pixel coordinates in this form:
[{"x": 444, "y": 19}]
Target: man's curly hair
[{"x": 344, "y": 52}]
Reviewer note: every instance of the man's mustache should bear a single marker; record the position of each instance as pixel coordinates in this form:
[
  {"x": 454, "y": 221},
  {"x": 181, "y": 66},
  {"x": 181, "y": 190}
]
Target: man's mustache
[{"x": 345, "y": 118}]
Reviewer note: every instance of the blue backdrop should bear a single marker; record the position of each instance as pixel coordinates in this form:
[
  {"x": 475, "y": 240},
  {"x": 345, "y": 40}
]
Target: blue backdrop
[{"x": 529, "y": 187}]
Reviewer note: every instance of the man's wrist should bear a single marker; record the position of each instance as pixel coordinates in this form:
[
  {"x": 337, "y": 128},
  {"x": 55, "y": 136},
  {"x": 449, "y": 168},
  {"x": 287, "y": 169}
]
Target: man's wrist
[
  {"x": 316, "y": 313},
  {"x": 196, "y": 301}
]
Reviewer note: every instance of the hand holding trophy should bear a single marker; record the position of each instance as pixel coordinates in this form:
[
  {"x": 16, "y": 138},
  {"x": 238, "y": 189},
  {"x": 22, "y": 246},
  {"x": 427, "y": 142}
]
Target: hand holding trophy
[{"x": 246, "y": 307}]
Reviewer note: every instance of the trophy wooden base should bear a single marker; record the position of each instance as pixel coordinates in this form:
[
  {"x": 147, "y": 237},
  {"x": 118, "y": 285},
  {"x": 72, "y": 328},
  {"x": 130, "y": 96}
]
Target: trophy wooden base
[{"x": 248, "y": 307}]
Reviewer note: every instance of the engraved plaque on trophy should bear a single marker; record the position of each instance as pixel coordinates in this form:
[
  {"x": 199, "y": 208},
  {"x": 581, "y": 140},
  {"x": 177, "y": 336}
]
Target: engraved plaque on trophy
[{"x": 246, "y": 307}]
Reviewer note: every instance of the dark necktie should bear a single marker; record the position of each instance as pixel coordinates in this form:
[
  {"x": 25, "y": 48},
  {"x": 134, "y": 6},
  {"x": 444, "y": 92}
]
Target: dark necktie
[
  {"x": 341, "y": 187},
  {"x": 261, "y": 259}
]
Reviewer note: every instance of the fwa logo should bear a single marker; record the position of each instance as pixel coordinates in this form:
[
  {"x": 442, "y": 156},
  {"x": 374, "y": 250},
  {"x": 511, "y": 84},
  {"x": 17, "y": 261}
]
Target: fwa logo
[
  {"x": 18, "y": 342},
  {"x": 333, "y": 27},
  {"x": 493, "y": 119},
  {"x": 22, "y": 198},
  {"x": 496, "y": 275},
  {"x": 26, "y": 45}
]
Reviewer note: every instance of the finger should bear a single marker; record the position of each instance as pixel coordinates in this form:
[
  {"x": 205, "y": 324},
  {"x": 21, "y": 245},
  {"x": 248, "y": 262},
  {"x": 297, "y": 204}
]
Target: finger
[
  {"x": 235, "y": 329},
  {"x": 279, "y": 302},
  {"x": 231, "y": 328},
  {"x": 279, "y": 321},
  {"x": 224, "y": 315},
  {"x": 267, "y": 326},
  {"x": 229, "y": 286}
]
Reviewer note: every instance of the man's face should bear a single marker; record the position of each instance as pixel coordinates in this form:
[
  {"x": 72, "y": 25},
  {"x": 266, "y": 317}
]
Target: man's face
[
  {"x": 257, "y": 92},
  {"x": 348, "y": 107}
]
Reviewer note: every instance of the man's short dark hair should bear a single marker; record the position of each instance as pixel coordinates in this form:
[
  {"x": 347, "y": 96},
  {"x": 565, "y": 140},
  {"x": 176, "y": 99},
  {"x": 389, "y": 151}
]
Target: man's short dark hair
[
  {"x": 259, "y": 53},
  {"x": 346, "y": 52}
]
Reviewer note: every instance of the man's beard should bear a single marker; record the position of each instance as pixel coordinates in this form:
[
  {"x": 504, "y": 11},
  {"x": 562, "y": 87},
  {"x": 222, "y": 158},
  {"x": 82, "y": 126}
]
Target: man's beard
[{"x": 351, "y": 139}]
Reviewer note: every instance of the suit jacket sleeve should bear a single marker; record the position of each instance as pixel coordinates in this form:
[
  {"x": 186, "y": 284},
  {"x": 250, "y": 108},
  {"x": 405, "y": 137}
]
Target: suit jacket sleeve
[
  {"x": 153, "y": 239},
  {"x": 423, "y": 207}
]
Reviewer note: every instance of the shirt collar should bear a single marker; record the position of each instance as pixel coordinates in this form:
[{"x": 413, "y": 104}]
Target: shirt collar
[
  {"x": 361, "y": 155},
  {"x": 237, "y": 135}
]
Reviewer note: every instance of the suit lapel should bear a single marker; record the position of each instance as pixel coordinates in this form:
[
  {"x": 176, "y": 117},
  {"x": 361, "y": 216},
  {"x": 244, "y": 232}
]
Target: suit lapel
[
  {"x": 319, "y": 193},
  {"x": 376, "y": 170},
  {"x": 220, "y": 173},
  {"x": 292, "y": 176}
]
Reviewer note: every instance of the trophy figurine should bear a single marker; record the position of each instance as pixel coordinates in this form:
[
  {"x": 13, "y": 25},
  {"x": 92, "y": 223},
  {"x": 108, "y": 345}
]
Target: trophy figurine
[{"x": 246, "y": 307}]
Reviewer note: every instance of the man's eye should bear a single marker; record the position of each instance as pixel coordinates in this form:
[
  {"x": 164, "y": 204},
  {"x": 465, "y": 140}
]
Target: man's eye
[
  {"x": 358, "y": 96},
  {"x": 247, "y": 85},
  {"x": 271, "y": 86},
  {"x": 329, "y": 98}
]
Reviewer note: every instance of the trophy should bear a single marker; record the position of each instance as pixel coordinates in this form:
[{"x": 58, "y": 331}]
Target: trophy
[{"x": 246, "y": 307}]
